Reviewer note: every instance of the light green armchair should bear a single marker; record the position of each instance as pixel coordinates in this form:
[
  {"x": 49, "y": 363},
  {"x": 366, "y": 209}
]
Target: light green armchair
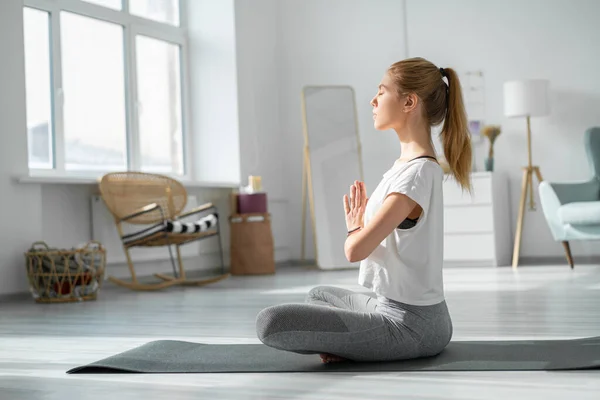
[{"x": 572, "y": 210}]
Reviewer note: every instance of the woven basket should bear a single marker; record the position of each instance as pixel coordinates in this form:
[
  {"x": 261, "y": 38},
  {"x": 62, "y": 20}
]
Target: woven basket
[{"x": 59, "y": 275}]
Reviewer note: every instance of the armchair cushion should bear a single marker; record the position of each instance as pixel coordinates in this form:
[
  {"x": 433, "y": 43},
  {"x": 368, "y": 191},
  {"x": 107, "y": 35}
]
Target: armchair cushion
[
  {"x": 580, "y": 213},
  {"x": 173, "y": 226},
  {"x": 201, "y": 225}
]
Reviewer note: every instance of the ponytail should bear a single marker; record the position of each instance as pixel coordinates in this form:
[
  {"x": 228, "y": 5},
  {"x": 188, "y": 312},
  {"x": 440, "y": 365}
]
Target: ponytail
[
  {"x": 455, "y": 135},
  {"x": 442, "y": 103}
]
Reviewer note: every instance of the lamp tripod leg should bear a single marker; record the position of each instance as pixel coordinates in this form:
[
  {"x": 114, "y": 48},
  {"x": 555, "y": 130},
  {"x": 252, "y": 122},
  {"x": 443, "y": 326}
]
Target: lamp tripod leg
[
  {"x": 517, "y": 245},
  {"x": 304, "y": 183},
  {"x": 530, "y": 182},
  {"x": 538, "y": 174},
  {"x": 530, "y": 166}
]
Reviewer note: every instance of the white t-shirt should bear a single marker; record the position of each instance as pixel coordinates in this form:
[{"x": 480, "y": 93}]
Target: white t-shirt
[{"x": 407, "y": 265}]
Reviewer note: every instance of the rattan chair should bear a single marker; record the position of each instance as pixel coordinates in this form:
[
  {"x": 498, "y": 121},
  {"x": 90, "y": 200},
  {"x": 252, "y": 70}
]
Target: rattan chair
[{"x": 157, "y": 201}]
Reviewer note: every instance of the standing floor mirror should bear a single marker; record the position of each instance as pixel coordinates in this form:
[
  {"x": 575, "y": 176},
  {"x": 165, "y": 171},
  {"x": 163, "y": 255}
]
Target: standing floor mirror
[{"x": 332, "y": 162}]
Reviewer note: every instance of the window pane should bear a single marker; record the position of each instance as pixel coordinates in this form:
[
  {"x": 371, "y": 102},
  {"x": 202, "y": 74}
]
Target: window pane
[
  {"x": 116, "y": 4},
  {"x": 159, "y": 98},
  {"x": 38, "y": 88},
  {"x": 94, "y": 95},
  {"x": 158, "y": 10}
]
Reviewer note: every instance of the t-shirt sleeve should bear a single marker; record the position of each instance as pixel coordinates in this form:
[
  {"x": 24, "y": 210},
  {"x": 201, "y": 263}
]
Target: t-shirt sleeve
[{"x": 415, "y": 182}]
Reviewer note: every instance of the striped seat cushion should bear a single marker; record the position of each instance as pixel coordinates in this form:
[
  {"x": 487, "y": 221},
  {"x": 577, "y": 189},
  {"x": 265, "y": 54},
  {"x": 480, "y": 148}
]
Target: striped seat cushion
[{"x": 201, "y": 225}]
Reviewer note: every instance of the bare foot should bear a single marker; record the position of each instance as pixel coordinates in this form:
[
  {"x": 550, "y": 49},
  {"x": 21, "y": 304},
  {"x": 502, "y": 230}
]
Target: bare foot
[{"x": 330, "y": 358}]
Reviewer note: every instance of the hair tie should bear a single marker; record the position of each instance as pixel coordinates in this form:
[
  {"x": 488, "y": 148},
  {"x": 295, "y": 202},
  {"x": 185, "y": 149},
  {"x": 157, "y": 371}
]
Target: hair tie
[{"x": 447, "y": 81}]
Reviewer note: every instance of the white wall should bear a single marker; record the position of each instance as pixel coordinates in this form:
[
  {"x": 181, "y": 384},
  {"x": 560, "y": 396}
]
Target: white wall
[
  {"x": 325, "y": 42},
  {"x": 511, "y": 39},
  {"x": 20, "y": 208},
  {"x": 261, "y": 139},
  {"x": 213, "y": 90}
]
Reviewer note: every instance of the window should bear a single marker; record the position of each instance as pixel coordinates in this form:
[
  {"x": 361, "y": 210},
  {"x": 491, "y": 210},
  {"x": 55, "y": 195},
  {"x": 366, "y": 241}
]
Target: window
[
  {"x": 158, "y": 10},
  {"x": 39, "y": 93},
  {"x": 95, "y": 130},
  {"x": 104, "y": 86},
  {"x": 116, "y": 4},
  {"x": 159, "y": 105}
]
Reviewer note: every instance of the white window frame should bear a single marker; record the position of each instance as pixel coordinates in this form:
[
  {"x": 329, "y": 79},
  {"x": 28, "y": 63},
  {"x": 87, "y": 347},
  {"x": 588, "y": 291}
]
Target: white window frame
[{"x": 132, "y": 26}]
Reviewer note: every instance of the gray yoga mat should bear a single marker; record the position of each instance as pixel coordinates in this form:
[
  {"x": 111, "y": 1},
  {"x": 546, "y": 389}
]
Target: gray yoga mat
[{"x": 168, "y": 356}]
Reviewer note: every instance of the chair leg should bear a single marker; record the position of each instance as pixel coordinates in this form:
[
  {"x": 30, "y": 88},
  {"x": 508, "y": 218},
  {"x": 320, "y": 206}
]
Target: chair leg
[
  {"x": 183, "y": 280},
  {"x": 182, "y": 276},
  {"x": 568, "y": 253},
  {"x": 144, "y": 286},
  {"x": 134, "y": 284},
  {"x": 173, "y": 260},
  {"x": 221, "y": 253},
  {"x": 180, "y": 261},
  {"x": 130, "y": 265}
]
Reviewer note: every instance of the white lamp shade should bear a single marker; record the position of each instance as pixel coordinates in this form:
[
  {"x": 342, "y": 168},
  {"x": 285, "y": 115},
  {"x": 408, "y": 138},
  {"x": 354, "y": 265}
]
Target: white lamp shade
[{"x": 526, "y": 98}]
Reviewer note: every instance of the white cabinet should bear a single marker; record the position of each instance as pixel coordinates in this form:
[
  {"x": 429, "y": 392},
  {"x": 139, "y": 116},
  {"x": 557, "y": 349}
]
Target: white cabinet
[{"x": 477, "y": 224}]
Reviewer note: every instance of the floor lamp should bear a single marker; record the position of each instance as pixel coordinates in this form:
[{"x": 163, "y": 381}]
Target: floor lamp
[{"x": 526, "y": 98}]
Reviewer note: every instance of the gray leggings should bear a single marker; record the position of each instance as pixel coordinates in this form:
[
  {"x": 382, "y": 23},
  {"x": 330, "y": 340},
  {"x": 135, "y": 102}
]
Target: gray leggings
[{"x": 355, "y": 326}]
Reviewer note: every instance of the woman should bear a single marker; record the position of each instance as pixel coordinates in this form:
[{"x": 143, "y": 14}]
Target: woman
[{"x": 396, "y": 234}]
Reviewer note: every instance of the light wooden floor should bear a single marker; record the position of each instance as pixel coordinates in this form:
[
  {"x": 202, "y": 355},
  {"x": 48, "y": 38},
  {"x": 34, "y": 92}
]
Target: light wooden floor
[{"x": 38, "y": 343}]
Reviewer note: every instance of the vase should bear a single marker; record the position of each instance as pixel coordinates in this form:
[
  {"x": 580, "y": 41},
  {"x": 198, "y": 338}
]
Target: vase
[{"x": 489, "y": 164}]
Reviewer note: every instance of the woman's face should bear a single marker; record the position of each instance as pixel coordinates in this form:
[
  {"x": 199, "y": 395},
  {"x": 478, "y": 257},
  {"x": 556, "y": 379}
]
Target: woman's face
[{"x": 387, "y": 106}]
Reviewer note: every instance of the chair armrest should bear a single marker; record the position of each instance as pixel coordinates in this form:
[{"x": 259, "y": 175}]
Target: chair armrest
[
  {"x": 146, "y": 209},
  {"x": 554, "y": 195},
  {"x": 550, "y": 204},
  {"x": 577, "y": 191},
  {"x": 197, "y": 210}
]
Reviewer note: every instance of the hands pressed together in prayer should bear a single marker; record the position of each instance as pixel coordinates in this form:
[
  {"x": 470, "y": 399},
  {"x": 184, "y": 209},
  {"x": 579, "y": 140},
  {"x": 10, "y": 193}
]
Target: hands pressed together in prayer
[{"x": 354, "y": 206}]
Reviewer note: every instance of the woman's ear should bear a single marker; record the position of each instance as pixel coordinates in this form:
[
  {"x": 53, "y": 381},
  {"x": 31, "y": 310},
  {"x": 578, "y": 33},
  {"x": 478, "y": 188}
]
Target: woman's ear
[{"x": 410, "y": 102}]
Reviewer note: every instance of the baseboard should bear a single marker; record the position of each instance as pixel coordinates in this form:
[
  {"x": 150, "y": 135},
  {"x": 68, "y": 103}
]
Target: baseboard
[
  {"x": 16, "y": 297},
  {"x": 469, "y": 263},
  {"x": 206, "y": 263},
  {"x": 301, "y": 263},
  {"x": 558, "y": 260}
]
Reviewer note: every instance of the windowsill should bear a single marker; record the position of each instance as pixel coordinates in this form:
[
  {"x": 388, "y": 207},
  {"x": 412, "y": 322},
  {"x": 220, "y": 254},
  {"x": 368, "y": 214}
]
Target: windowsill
[{"x": 92, "y": 180}]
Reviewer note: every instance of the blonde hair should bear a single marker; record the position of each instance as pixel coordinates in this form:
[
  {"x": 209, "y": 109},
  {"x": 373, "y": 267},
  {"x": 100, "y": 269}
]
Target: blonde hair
[{"x": 441, "y": 103}]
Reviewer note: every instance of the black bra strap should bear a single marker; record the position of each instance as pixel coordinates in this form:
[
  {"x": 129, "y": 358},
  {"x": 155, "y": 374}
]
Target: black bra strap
[
  {"x": 416, "y": 158},
  {"x": 410, "y": 222}
]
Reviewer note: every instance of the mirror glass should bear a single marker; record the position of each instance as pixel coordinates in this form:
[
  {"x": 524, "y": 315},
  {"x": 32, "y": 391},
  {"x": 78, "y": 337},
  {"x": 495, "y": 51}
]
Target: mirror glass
[{"x": 332, "y": 163}]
